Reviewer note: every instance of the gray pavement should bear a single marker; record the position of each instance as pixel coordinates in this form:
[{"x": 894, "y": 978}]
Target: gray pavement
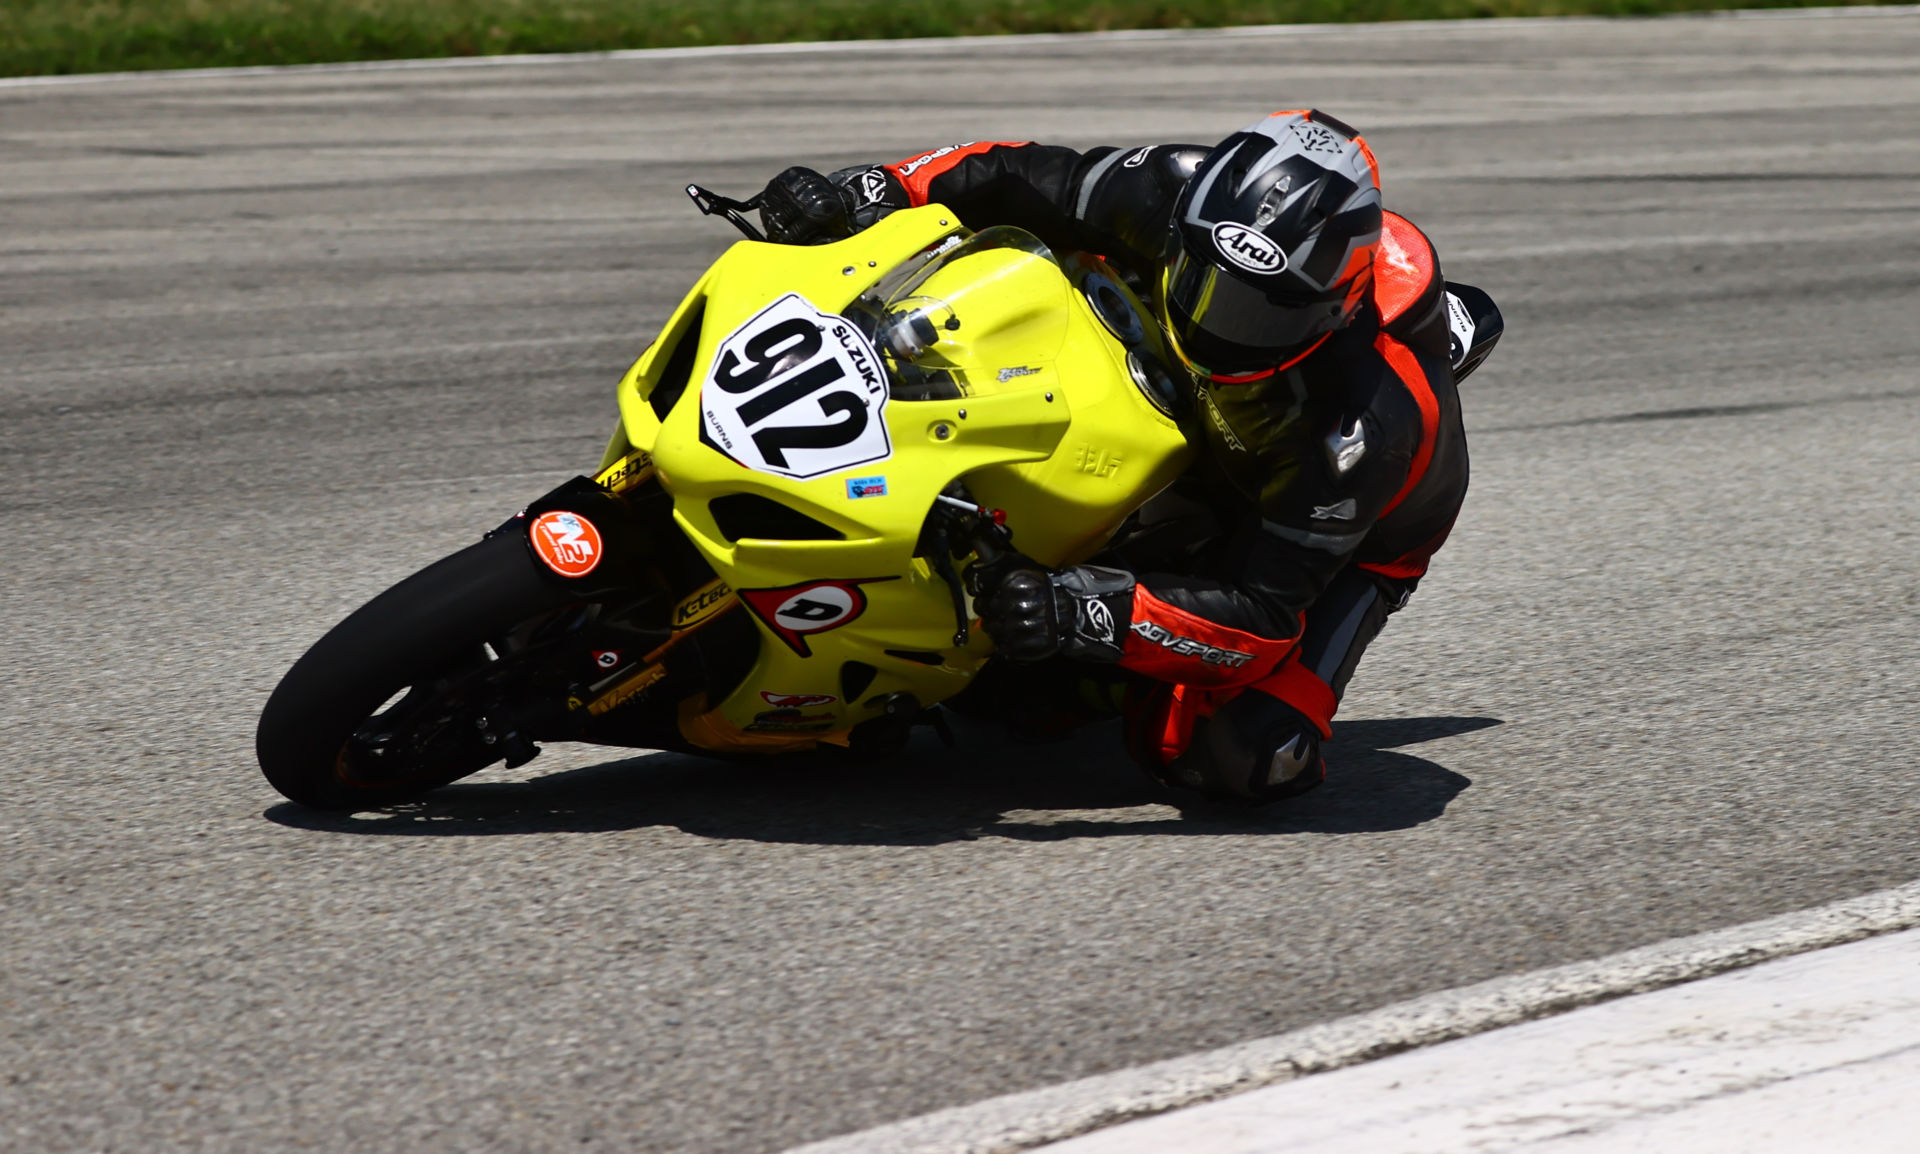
[
  {"x": 1809, "y": 1053},
  {"x": 269, "y": 343}
]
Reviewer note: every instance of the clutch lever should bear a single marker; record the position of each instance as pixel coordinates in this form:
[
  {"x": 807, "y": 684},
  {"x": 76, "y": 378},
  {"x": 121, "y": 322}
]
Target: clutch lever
[
  {"x": 713, "y": 204},
  {"x": 984, "y": 529}
]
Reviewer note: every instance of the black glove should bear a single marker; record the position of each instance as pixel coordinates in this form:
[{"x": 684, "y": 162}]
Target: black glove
[
  {"x": 1082, "y": 613},
  {"x": 800, "y": 206},
  {"x": 985, "y": 577}
]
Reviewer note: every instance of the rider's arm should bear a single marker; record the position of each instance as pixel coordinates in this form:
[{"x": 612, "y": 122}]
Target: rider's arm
[
  {"x": 1237, "y": 624},
  {"x": 1244, "y": 617},
  {"x": 1111, "y": 201}
]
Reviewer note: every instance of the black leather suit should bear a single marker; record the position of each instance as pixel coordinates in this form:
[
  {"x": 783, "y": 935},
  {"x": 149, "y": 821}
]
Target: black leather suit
[{"x": 1331, "y": 482}]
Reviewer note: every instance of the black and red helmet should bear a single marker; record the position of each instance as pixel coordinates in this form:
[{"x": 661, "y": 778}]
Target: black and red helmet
[{"x": 1272, "y": 244}]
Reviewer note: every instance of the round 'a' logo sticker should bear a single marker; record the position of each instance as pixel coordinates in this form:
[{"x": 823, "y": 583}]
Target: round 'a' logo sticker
[
  {"x": 797, "y": 611},
  {"x": 567, "y": 542}
]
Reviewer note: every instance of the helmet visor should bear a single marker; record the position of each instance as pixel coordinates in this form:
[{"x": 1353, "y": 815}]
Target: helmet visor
[{"x": 1225, "y": 325}]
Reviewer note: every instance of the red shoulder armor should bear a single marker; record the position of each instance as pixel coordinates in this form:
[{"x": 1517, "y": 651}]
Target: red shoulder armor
[{"x": 1404, "y": 267}]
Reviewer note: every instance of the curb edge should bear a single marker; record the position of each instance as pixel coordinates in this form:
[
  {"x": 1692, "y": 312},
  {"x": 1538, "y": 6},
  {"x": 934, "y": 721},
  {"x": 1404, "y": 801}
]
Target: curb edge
[{"x": 1023, "y": 1120}]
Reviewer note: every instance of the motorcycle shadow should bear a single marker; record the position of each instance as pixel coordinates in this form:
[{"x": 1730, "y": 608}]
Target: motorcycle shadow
[{"x": 929, "y": 794}]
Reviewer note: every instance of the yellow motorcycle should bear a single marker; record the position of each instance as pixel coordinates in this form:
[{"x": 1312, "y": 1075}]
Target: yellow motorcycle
[{"x": 769, "y": 557}]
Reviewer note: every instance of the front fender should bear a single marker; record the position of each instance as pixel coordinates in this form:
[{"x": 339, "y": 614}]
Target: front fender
[{"x": 613, "y": 552}]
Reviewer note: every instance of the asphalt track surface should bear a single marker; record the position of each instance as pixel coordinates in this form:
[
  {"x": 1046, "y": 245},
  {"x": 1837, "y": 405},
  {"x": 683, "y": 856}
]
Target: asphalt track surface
[{"x": 269, "y": 343}]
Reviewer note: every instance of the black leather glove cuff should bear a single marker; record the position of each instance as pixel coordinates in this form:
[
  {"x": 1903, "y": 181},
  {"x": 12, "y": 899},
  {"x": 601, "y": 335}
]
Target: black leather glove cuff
[{"x": 1094, "y": 609}]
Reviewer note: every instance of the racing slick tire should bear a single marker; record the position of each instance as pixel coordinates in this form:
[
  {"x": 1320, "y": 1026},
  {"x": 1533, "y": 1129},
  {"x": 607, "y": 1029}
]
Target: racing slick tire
[{"x": 405, "y": 646}]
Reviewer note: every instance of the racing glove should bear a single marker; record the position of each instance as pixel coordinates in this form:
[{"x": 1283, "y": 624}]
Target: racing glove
[
  {"x": 1082, "y": 613},
  {"x": 800, "y": 206}
]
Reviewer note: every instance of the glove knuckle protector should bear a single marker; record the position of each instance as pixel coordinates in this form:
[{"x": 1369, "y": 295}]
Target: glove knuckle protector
[
  {"x": 1081, "y": 613},
  {"x": 1019, "y": 616},
  {"x": 800, "y": 206}
]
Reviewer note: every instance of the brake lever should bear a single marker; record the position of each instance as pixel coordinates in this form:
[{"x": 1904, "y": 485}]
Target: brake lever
[
  {"x": 986, "y": 530},
  {"x": 713, "y": 204}
]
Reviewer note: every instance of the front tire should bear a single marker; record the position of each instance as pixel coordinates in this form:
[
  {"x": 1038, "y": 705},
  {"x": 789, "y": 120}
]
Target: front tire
[{"x": 406, "y": 645}]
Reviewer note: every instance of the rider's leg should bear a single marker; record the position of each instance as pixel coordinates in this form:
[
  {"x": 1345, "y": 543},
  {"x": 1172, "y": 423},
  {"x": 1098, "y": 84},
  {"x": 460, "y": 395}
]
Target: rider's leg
[{"x": 1264, "y": 744}]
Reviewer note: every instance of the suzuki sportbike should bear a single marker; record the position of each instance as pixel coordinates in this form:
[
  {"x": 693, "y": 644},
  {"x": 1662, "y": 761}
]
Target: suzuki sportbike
[{"x": 768, "y": 559}]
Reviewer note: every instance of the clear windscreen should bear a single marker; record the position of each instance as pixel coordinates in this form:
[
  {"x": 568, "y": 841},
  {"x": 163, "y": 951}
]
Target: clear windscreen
[{"x": 972, "y": 315}]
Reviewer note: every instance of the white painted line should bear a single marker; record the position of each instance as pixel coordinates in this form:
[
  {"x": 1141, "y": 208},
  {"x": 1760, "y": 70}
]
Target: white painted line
[
  {"x": 1021, "y": 1121},
  {"x": 933, "y": 44},
  {"x": 1815, "y": 1052}
]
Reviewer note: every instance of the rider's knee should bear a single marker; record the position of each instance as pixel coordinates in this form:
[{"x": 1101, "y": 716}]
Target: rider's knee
[{"x": 1254, "y": 749}]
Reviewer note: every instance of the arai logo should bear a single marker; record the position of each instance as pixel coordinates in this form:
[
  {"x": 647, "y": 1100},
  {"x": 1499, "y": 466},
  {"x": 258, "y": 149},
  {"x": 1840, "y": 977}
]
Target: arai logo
[{"x": 1248, "y": 249}]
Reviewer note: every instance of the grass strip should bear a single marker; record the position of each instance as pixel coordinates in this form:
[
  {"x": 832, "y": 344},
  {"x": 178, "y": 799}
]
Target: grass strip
[{"x": 54, "y": 37}]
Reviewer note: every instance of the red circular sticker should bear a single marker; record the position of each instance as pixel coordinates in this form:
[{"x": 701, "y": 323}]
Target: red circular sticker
[{"x": 567, "y": 542}]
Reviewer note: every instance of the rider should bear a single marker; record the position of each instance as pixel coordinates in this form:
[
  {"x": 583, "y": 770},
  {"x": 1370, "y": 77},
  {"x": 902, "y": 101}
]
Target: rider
[{"x": 1332, "y": 464}]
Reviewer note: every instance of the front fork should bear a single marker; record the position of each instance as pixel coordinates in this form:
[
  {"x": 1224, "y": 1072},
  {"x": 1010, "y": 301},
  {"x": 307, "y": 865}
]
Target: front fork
[{"x": 611, "y": 540}]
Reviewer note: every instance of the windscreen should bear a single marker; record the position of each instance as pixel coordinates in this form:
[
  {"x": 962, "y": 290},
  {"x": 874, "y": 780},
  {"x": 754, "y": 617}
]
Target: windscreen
[{"x": 972, "y": 316}]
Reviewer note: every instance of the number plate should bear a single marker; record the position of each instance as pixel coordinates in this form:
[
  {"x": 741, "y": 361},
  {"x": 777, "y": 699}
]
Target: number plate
[{"x": 796, "y": 392}]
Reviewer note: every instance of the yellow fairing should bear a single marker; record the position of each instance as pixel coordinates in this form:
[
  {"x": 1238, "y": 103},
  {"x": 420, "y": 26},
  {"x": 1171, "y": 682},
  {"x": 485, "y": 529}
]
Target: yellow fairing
[{"x": 1001, "y": 376}]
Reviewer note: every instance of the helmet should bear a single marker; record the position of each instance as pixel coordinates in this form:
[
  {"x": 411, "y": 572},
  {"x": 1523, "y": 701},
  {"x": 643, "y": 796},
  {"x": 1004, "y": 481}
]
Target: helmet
[{"x": 1271, "y": 245}]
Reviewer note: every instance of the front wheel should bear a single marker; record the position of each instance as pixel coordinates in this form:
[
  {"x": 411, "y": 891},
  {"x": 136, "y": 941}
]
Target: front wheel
[{"x": 396, "y": 700}]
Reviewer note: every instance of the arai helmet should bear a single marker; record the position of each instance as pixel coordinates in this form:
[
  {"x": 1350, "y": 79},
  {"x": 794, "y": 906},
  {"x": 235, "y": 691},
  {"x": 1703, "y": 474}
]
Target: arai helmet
[{"x": 1272, "y": 244}]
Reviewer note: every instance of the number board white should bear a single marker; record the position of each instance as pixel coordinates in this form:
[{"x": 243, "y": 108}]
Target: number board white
[{"x": 796, "y": 392}]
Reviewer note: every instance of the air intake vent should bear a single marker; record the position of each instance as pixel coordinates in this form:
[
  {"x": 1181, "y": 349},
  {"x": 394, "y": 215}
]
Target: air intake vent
[
  {"x": 742, "y": 515},
  {"x": 674, "y": 378},
  {"x": 855, "y": 676}
]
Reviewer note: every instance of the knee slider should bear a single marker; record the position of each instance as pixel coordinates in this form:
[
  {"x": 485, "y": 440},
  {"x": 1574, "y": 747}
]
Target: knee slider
[{"x": 1255, "y": 749}]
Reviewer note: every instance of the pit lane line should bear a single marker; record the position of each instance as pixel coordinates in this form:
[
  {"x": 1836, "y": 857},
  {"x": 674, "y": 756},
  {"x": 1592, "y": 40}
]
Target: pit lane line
[
  {"x": 1025, "y": 1120},
  {"x": 922, "y": 43}
]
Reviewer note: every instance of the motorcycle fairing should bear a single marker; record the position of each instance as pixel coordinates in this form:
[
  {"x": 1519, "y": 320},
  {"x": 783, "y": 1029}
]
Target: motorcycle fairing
[{"x": 1002, "y": 378}]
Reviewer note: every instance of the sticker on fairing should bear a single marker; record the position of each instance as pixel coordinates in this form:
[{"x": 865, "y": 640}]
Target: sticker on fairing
[
  {"x": 628, "y": 689},
  {"x": 795, "y": 612},
  {"x": 797, "y": 700},
  {"x": 701, "y": 605},
  {"x": 567, "y": 542},
  {"x": 627, "y": 472},
  {"x": 797, "y": 393}
]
